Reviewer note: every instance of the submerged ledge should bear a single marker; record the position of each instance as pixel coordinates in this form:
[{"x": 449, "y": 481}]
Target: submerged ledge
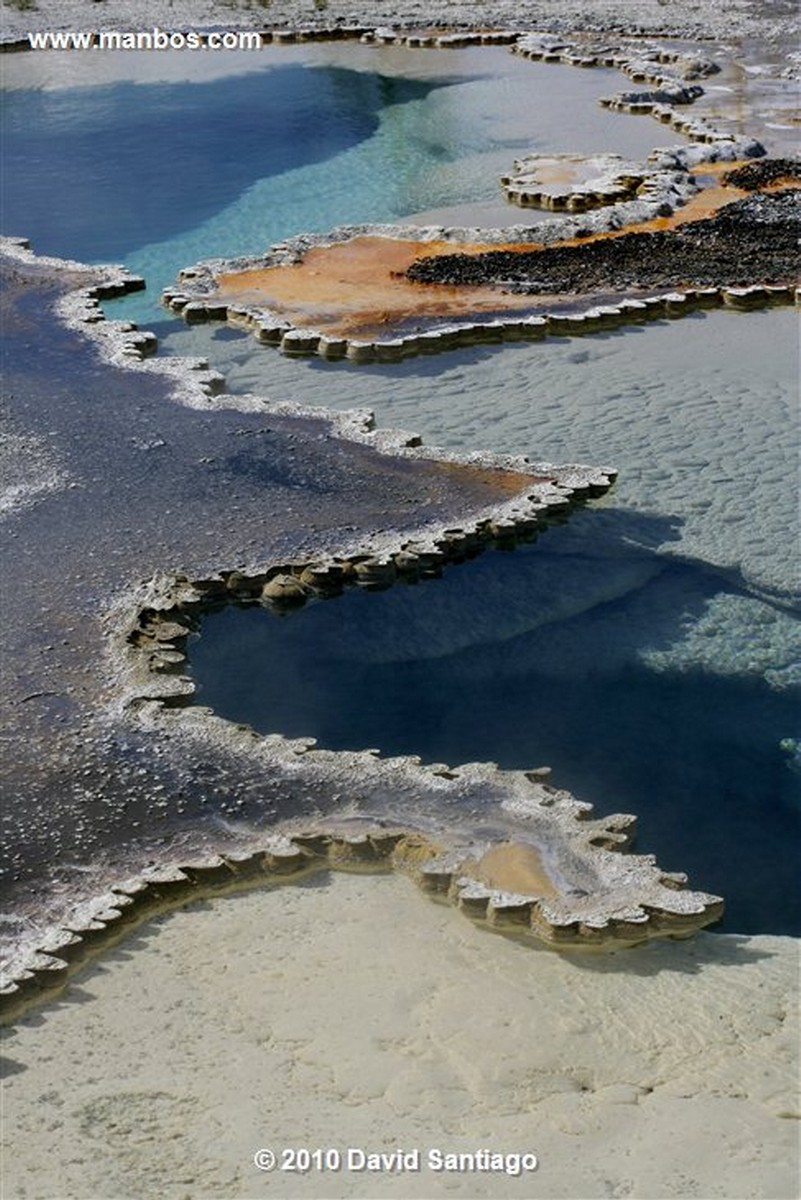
[
  {"x": 354, "y": 294},
  {"x": 518, "y": 850},
  {"x": 347, "y": 295},
  {"x": 472, "y": 832}
]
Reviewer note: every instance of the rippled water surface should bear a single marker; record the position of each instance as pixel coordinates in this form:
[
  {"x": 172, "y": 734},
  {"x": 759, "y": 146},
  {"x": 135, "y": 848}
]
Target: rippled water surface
[
  {"x": 697, "y": 755},
  {"x": 698, "y": 416},
  {"x": 161, "y": 170},
  {"x": 648, "y": 651}
]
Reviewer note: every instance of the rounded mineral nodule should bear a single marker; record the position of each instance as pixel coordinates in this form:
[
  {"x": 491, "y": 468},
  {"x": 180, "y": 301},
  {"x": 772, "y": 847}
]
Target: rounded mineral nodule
[{"x": 284, "y": 590}]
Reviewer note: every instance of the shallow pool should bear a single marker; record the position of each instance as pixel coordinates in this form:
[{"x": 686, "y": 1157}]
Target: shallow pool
[
  {"x": 448, "y": 670},
  {"x": 649, "y": 650},
  {"x": 160, "y": 165}
]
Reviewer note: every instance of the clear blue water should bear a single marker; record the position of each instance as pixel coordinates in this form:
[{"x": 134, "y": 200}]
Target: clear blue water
[
  {"x": 648, "y": 651},
  {"x": 698, "y": 756},
  {"x": 162, "y": 174},
  {"x": 158, "y": 160},
  {"x": 645, "y": 651}
]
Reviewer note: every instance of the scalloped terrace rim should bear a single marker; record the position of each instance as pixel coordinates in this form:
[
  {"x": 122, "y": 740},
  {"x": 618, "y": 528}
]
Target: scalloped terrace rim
[
  {"x": 469, "y": 876},
  {"x": 230, "y": 290},
  {"x": 556, "y": 873}
]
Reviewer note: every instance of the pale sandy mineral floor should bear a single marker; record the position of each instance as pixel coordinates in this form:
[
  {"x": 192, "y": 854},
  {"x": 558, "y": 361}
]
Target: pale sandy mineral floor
[
  {"x": 351, "y": 1011},
  {"x": 354, "y": 1012}
]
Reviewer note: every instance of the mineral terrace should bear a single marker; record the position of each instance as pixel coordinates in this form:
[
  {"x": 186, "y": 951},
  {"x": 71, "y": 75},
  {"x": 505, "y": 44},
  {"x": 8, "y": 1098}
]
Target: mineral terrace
[{"x": 140, "y": 495}]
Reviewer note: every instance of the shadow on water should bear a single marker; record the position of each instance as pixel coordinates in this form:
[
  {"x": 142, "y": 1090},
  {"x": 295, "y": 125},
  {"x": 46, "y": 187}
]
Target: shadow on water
[
  {"x": 109, "y": 147},
  {"x": 659, "y": 956},
  {"x": 431, "y": 366},
  {"x": 546, "y": 656}
]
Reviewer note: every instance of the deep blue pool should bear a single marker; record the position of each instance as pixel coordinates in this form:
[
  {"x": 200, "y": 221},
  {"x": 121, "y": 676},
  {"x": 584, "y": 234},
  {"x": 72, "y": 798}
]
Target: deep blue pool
[
  {"x": 645, "y": 653},
  {"x": 447, "y": 670},
  {"x": 160, "y": 165}
]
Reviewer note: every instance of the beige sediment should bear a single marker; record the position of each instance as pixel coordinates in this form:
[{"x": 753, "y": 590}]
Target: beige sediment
[
  {"x": 351, "y": 1013},
  {"x": 514, "y": 867},
  {"x": 351, "y": 298},
  {"x": 358, "y": 287}
]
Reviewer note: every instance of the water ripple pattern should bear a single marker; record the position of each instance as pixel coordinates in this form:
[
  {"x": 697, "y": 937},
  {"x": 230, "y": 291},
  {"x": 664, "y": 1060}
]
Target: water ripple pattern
[
  {"x": 699, "y": 416},
  {"x": 317, "y": 136},
  {"x": 681, "y": 579}
]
